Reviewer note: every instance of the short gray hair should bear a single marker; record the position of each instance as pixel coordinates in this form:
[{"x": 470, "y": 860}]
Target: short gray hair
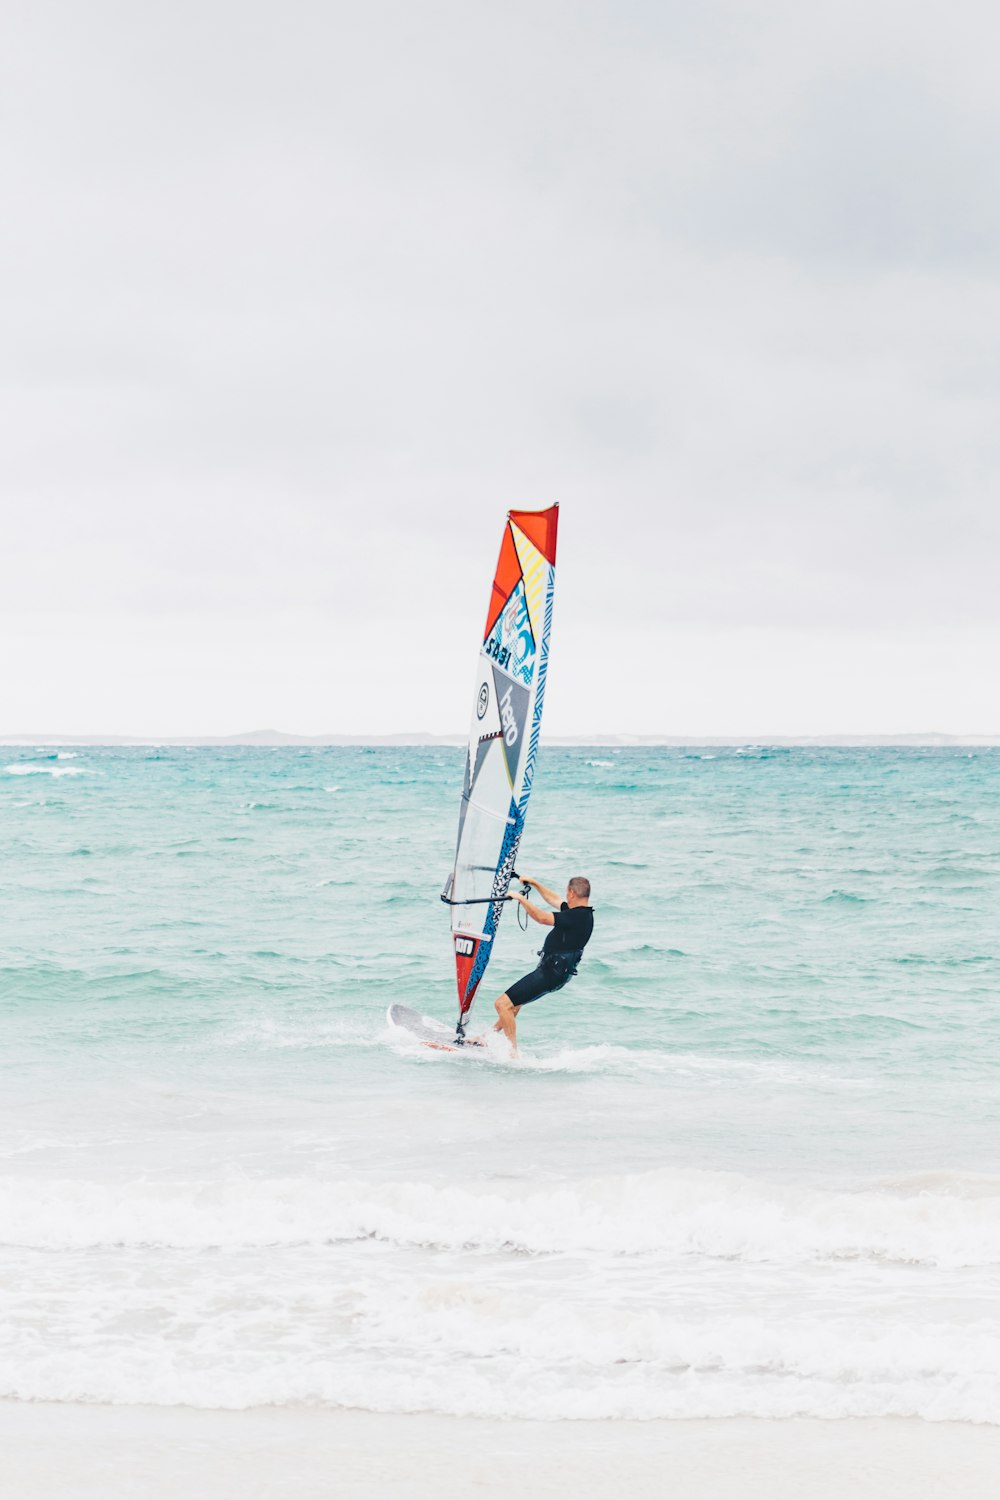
[{"x": 580, "y": 886}]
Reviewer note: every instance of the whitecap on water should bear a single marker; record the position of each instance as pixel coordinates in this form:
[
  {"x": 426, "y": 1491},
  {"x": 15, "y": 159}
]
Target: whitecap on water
[
  {"x": 20, "y": 768},
  {"x": 660, "y": 1294}
]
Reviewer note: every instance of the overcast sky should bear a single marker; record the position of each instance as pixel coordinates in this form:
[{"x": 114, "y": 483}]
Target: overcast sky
[{"x": 297, "y": 299}]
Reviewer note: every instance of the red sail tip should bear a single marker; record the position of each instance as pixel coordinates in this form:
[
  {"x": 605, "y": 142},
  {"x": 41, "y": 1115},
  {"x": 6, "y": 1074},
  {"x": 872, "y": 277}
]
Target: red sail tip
[{"x": 540, "y": 527}]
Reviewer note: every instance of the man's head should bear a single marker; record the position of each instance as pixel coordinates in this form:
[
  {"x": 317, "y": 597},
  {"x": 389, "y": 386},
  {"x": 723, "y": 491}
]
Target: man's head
[{"x": 578, "y": 891}]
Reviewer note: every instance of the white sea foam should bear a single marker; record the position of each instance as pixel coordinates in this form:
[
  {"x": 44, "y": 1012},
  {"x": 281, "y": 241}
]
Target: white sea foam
[
  {"x": 674, "y": 1294},
  {"x": 530, "y": 1364},
  {"x": 19, "y": 768},
  {"x": 607, "y": 1057},
  {"x": 638, "y": 1062},
  {"x": 270, "y": 1033},
  {"x": 678, "y": 1212}
]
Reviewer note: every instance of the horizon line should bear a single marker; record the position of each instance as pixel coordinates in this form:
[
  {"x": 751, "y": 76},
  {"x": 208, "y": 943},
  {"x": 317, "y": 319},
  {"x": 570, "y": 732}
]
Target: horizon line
[{"x": 275, "y": 739}]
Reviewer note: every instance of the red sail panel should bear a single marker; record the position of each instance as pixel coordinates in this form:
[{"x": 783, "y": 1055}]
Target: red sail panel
[
  {"x": 505, "y": 580},
  {"x": 464, "y": 961},
  {"x": 540, "y": 527}
]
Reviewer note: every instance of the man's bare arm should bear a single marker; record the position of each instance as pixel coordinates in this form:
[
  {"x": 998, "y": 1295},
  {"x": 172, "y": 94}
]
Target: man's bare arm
[
  {"x": 536, "y": 914},
  {"x": 543, "y": 890}
]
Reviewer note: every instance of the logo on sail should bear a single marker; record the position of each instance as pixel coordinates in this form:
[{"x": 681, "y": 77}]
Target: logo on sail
[{"x": 507, "y": 720}]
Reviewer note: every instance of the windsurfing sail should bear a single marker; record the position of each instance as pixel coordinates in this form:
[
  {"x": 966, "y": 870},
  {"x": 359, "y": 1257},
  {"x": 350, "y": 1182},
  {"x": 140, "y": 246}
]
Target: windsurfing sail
[{"x": 503, "y": 741}]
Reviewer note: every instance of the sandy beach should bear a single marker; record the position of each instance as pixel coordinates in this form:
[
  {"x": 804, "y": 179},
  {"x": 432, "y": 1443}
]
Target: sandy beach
[{"x": 66, "y": 1452}]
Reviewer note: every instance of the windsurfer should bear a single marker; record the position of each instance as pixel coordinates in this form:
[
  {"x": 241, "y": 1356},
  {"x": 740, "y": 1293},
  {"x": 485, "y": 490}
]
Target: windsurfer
[{"x": 572, "y": 925}]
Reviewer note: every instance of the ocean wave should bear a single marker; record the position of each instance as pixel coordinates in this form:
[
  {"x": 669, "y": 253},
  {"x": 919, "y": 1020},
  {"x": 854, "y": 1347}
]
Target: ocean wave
[
  {"x": 673, "y": 1293},
  {"x": 613, "y": 1060},
  {"x": 656, "y": 948},
  {"x": 677, "y": 1212},
  {"x": 608, "y": 1057},
  {"x": 269, "y": 1033},
  {"x": 20, "y": 768},
  {"x": 384, "y": 1332}
]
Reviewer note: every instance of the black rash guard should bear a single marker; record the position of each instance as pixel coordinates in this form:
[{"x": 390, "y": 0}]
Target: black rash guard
[
  {"x": 559, "y": 956},
  {"x": 571, "y": 932}
]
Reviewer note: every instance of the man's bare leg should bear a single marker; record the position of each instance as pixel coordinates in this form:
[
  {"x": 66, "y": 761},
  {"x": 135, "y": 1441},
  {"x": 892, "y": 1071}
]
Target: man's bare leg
[{"x": 507, "y": 1021}]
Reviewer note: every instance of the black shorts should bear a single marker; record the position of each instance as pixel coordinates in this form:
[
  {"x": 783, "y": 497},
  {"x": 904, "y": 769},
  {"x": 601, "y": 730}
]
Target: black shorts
[{"x": 541, "y": 981}]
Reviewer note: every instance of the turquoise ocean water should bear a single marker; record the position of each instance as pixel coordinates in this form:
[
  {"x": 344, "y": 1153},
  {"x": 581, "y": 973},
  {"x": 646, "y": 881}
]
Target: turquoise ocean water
[{"x": 747, "y": 1162}]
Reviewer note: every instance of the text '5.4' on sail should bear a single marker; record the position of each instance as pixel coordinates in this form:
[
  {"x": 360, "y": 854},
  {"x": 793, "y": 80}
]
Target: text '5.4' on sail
[{"x": 503, "y": 740}]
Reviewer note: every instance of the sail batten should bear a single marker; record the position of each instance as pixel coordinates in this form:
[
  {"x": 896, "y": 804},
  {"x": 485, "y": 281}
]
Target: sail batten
[{"x": 503, "y": 739}]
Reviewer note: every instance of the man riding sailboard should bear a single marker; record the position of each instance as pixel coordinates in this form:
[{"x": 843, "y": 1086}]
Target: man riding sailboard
[{"x": 571, "y": 928}]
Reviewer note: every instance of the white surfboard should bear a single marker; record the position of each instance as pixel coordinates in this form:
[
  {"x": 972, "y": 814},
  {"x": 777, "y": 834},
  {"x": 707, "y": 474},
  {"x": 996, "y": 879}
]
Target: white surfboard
[{"x": 430, "y": 1032}]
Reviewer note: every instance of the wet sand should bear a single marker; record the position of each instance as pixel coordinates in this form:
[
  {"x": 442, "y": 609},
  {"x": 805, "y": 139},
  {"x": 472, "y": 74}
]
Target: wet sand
[{"x": 67, "y": 1452}]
